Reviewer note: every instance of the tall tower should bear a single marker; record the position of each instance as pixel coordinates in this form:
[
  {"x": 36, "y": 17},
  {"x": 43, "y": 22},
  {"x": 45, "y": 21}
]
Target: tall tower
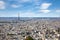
[{"x": 18, "y": 16}]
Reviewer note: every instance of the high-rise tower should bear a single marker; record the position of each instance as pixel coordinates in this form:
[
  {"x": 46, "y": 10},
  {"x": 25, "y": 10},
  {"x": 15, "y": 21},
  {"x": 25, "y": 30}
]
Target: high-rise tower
[{"x": 18, "y": 16}]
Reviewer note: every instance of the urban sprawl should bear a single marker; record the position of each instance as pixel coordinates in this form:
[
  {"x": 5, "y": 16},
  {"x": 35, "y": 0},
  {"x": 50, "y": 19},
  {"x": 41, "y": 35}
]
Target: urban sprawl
[{"x": 37, "y": 29}]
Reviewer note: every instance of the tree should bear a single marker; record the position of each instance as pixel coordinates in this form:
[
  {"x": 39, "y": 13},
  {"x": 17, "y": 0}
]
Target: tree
[{"x": 29, "y": 38}]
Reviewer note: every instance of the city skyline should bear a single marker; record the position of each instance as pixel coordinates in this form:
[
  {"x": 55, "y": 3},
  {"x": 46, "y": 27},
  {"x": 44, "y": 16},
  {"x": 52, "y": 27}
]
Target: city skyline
[{"x": 30, "y": 8}]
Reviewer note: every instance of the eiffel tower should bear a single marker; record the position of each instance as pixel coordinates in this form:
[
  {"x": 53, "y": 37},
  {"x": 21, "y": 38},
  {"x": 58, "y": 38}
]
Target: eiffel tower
[{"x": 18, "y": 18}]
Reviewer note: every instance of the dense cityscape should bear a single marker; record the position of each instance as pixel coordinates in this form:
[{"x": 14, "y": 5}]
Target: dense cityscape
[{"x": 39, "y": 29}]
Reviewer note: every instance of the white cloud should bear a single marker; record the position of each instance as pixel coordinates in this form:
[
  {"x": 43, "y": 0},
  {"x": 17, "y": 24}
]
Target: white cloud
[
  {"x": 23, "y": 1},
  {"x": 58, "y": 11},
  {"x": 32, "y": 14},
  {"x": 27, "y": 14},
  {"x": 45, "y": 5},
  {"x": 15, "y": 6},
  {"x": 44, "y": 11},
  {"x": 2, "y": 5}
]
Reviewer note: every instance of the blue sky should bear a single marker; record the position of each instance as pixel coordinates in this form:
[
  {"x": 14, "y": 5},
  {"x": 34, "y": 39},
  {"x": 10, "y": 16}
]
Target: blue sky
[{"x": 30, "y": 8}]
